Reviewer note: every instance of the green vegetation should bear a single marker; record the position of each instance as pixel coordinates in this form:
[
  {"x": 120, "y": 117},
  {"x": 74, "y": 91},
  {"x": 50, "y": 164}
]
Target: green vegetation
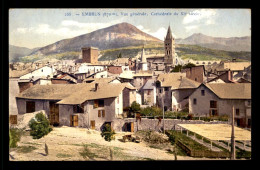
[
  {"x": 86, "y": 153},
  {"x": 108, "y": 133},
  {"x": 40, "y": 126},
  {"x": 25, "y": 149},
  {"x": 14, "y": 137},
  {"x": 175, "y": 135},
  {"x": 178, "y": 68},
  {"x": 185, "y": 51}
]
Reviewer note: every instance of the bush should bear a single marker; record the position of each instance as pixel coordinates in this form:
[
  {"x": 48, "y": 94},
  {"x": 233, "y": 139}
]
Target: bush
[
  {"x": 14, "y": 137},
  {"x": 135, "y": 107},
  {"x": 108, "y": 133},
  {"x": 40, "y": 126},
  {"x": 190, "y": 116}
]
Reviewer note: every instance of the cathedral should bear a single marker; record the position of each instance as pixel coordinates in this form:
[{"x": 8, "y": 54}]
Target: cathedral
[{"x": 163, "y": 62}]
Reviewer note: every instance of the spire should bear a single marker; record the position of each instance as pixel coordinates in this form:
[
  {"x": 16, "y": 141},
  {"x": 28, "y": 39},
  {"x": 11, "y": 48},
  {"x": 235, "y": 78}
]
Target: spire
[
  {"x": 169, "y": 33},
  {"x": 143, "y": 59}
]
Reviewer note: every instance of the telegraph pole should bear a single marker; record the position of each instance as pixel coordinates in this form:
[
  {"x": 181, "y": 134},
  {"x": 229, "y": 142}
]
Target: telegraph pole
[
  {"x": 233, "y": 148},
  {"x": 163, "y": 113}
]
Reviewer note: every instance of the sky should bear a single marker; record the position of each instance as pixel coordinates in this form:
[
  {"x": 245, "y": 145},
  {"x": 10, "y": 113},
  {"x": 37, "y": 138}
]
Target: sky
[{"x": 40, "y": 27}]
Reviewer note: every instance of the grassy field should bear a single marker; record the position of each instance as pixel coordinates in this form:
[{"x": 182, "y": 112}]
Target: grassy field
[{"x": 194, "y": 52}]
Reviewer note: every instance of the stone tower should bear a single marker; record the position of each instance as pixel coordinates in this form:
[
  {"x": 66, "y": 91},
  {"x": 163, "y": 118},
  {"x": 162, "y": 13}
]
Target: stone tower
[
  {"x": 169, "y": 47},
  {"x": 89, "y": 55}
]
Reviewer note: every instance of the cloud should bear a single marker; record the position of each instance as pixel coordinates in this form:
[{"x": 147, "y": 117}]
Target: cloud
[
  {"x": 160, "y": 33},
  {"x": 65, "y": 30},
  {"x": 191, "y": 27},
  {"x": 203, "y": 16}
]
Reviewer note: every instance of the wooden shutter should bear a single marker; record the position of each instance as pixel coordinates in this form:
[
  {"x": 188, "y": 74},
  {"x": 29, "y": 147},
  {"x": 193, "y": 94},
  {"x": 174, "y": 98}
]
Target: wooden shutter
[
  {"x": 92, "y": 124},
  {"x": 132, "y": 126},
  {"x": 75, "y": 120},
  {"x": 99, "y": 113},
  {"x": 13, "y": 119},
  {"x": 103, "y": 113}
]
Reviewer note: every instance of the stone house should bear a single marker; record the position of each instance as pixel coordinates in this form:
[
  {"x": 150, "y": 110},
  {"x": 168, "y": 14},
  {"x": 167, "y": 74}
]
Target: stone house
[
  {"x": 94, "y": 106},
  {"x": 43, "y": 72},
  {"x": 173, "y": 90},
  {"x": 139, "y": 79},
  {"x": 148, "y": 93},
  {"x": 217, "y": 99},
  {"x": 226, "y": 77},
  {"x": 196, "y": 73},
  {"x": 114, "y": 69}
]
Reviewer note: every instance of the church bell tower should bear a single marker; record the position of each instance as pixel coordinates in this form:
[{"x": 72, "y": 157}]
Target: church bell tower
[{"x": 169, "y": 47}]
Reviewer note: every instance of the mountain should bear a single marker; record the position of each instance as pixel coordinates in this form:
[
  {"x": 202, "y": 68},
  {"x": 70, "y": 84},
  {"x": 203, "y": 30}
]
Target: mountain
[
  {"x": 16, "y": 52},
  {"x": 219, "y": 43},
  {"x": 115, "y": 36}
]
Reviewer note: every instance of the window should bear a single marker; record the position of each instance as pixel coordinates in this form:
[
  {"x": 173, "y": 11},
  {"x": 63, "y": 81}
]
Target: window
[
  {"x": 213, "y": 104},
  {"x": 99, "y": 113},
  {"x": 195, "y": 79},
  {"x": 160, "y": 90},
  {"x": 148, "y": 92},
  {"x": 98, "y": 103},
  {"x": 117, "y": 100},
  {"x": 166, "y": 88},
  {"x": 78, "y": 108},
  {"x": 237, "y": 112},
  {"x": 103, "y": 113},
  {"x": 249, "y": 102},
  {"x": 202, "y": 92},
  {"x": 194, "y": 101},
  {"x": 30, "y": 106}
]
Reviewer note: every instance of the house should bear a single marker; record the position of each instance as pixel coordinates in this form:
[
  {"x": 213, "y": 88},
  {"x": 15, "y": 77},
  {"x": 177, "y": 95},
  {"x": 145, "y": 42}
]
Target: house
[
  {"x": 42, "y": 72},
  {"x": 101, "y": 80},
  {"x": 148, "y": 93},
  {"x": 63, "y": 77},
  {"x": 27, "y": 83},
  {"x": 226, "y": 77},
  {"x": 216, "y": 99},
  {"x": 173, "y": 90},
  {"x": 196, "y": 73},
  {"x": 235, "y": 67},
  {"x": 114, "y": 69},
  {"x": 85, "y": 105},
  {"x": 140, "y": 78}
]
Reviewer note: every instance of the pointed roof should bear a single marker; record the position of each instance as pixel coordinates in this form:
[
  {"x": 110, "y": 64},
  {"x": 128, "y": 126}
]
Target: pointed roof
[{"x": 169, "y": 33}]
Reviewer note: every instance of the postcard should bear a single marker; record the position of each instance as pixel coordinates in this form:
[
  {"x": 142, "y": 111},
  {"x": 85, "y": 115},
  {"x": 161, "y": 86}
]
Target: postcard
[{"x": 129, "y": 84}]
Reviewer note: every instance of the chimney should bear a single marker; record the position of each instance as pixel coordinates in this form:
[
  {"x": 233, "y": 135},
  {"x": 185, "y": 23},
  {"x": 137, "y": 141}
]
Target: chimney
[{"x": 96, "y": 86}]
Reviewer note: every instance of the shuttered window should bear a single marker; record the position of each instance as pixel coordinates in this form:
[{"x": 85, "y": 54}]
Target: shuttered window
[
  {"x": 103, "y": 113},
  {"x": 99, "y": 113}
]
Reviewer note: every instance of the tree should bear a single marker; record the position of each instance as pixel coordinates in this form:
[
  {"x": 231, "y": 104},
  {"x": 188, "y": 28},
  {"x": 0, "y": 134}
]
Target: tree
[
  {"x": 177, "y": 68},
  {"x": 135, "y": 107},
  {"x": 40, "y": 126},
  {"x": 108, "y": 133},
  {"x": 188, "y": 65},
  {"x": 119, "y": 55}
]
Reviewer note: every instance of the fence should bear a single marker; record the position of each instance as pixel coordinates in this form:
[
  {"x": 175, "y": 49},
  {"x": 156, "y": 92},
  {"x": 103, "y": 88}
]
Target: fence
[{"x": 199, "y": 153}]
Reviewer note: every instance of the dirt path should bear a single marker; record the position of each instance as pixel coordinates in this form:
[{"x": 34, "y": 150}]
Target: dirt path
[{"x": 66, "y": 143}]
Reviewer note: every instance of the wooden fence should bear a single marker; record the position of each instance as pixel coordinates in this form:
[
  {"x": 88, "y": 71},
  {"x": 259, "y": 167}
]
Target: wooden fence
[{"x": 199, "y": 153}]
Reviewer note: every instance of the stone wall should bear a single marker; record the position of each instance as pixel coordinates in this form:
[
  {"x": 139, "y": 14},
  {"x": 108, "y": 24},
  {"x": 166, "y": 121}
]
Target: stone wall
[{"x": 155, "y": 124}]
